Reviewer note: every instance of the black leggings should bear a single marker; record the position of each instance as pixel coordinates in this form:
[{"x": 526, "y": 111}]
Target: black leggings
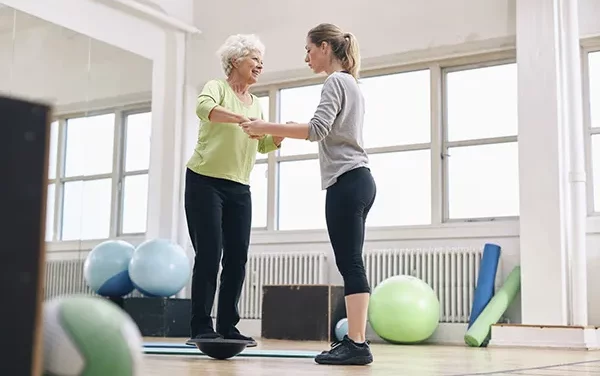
[
  {"x": 219, "y": 218},
  {"x": 347, "y": 205}
]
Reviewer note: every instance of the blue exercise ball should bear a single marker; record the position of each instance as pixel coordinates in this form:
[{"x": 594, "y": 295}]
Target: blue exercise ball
[
  {"x": 159, "y": 268},
  {"x": 105, "y": 269}
]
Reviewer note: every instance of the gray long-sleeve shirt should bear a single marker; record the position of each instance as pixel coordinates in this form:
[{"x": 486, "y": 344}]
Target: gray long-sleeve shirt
[{"x": 338, "y": 127}]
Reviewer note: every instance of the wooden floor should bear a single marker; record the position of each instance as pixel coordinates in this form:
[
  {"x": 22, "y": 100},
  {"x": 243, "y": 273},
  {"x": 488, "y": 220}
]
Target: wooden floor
[{"x": 388, "y": 360}]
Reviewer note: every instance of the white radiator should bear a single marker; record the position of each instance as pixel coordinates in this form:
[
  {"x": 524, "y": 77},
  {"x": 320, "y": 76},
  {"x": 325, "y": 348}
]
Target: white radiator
[
  {"x": 276, "y": 268},
  {"x": 65, "y": 277},
  {"x": 451, "y": 272}
]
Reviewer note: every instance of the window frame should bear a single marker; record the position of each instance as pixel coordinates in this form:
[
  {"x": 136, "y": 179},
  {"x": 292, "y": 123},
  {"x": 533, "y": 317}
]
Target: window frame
[
  {"x": 437, "y": 145},
  {"x": 588, "y": 48},
  {"x": 447, "y": 145},
  {"x": 117, "y": 175}
]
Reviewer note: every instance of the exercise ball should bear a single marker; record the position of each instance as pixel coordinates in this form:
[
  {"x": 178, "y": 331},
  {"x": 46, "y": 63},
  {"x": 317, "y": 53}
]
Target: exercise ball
[
  {"x": 87, "y": 335},
  {"x": 105, "y": 269},
  {"x": 341, "y": 329},
  {"x": 404, "y": 309},
  {"x": 159, "y": 268}
]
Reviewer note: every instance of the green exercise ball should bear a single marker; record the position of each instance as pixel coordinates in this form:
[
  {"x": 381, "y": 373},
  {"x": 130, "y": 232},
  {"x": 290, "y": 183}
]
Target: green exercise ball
[{"x": 404, "y": 309}]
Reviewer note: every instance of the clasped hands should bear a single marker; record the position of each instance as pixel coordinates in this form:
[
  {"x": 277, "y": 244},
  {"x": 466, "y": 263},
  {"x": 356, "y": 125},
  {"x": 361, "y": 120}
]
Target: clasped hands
[{"x": 255, "y": 128}]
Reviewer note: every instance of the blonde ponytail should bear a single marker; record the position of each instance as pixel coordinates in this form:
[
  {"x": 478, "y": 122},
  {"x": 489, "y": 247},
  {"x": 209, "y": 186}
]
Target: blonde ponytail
[{"x": 351, "y": 59}]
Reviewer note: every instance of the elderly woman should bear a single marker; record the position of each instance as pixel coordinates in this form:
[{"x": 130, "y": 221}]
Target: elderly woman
[{"x": 217, "y": 194}]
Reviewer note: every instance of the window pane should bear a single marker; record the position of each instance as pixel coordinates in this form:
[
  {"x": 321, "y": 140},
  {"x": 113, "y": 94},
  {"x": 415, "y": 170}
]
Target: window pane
[
  {"x": 403, "y": 188},
  {"x": 259, "y": 187},
  {"x": 90, "y": 145},
  {"x": 137, "y": 151},
  {"x": 397, "y": 109},
  {"x": 50, "y": 213},
  {"x": 483, "y": 181},
  {"x": 482, "y": 102},
  {"x": 135, "y": 204},
  {"x": 301, "y": 200},
  {"x": 594, "y": 72},
  {"x": 299, "y": 105},
  {"x": 53, "y": 150},
  {"x": 264, "y": 103},
  {"x": 86, "y": 210},
  {"x": 596, "y": 170}
]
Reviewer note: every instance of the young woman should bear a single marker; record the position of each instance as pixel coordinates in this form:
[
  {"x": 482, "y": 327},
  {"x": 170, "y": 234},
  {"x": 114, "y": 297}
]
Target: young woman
[{"x": 338, "y": 125}]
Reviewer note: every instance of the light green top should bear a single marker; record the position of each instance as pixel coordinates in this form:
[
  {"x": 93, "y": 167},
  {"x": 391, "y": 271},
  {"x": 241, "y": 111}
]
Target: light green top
[{"x": 224, "y": 150}]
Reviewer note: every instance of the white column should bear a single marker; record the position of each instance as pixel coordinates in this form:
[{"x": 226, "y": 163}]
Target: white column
[
  {"x": 550, "y": 127},
  {"x": 168, "y": 83}
]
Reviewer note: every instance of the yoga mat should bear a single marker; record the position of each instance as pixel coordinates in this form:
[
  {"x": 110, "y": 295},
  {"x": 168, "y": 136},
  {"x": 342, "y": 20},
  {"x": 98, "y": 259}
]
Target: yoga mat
[
  {"x": 172, "y": 345},
  {"x": 193, "y": 351},
  {"x": 477, "y": 333},
  {"x": 484, "y": 291}
]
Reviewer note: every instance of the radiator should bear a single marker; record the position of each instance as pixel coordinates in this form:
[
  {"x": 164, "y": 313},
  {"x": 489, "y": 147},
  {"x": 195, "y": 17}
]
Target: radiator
[
  {"x": 277, "y": 268},
  {"x": 65, "y": 277},
  {"x": 451, "y": 273}
]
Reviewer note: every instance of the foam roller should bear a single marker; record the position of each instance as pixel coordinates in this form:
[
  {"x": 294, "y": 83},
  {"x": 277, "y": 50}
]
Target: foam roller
[
  {"x": 484, "y": 291},
  {"x": 491, "y": 314}
]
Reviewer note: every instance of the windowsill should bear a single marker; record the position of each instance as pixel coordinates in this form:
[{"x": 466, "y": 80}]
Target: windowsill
[{"x": 452, "y": 230}]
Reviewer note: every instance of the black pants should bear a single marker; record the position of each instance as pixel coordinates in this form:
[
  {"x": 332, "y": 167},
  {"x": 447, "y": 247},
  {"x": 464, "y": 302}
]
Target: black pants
[
  {"x": 219, "y": 218},
  {"x": 347, "y": 205}
]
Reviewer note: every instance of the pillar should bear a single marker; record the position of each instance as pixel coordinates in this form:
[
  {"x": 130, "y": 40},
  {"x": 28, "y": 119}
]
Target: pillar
[{"x": 551, "y": 166}]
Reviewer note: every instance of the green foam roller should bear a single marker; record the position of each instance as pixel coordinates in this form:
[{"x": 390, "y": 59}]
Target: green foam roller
[{"x": 493, "y": 311}]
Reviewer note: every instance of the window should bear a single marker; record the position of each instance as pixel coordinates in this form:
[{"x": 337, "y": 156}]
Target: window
[
  {"x": 397, "y": 109},
  {"x": 98, "y": 176},
  {"x": 594, "y": 112},
  {"x": 259, "y": 190},
  {"x": 403, "y": 188},
  {"x": 298, "y": 105},
  {"x": 480, "y": 146},
  {"x": 264, "y": 104},
  {"x": 301, "y": 200},
  {"x": 89, "y": 149},
  {"x": 483, "y": 181},
  {"x": 135, "y": 172},
  {"x": 436, "y": 136},
  {"x": 87, "y": 184}
]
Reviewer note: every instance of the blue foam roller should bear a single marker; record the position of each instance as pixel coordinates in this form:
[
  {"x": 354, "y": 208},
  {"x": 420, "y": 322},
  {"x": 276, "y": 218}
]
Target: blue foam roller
[{"x": 484, "y": 290}]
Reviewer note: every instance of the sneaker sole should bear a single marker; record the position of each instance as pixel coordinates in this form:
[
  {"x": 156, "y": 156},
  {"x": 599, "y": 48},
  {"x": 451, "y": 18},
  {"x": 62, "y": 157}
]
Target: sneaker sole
[{"x": 356, "y": 361}]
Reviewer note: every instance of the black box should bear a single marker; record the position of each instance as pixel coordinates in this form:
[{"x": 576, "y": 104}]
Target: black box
[
  {"x": 160, "y": 317},
  {"x": 302, "y": 312},
  {"x": 23, "y": 193}
]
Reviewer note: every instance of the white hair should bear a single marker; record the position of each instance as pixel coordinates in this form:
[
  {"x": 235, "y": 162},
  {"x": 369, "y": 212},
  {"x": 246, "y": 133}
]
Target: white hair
[{"x": 236, "y": 47}]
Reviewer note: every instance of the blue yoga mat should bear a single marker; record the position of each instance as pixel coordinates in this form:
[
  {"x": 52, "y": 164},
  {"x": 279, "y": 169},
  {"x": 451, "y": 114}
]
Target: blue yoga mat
[
  {"x": 170, "y": 345},
  {"x": 484, "y": 290},
  {"x": 157, "y": 348}
]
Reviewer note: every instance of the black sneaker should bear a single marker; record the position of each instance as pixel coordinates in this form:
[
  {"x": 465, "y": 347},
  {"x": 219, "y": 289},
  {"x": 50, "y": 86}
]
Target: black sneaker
[
  {"x": 346, "y": 352},
  {"x": 207, "y": 335},
  {"x": 235, "y": 334}
]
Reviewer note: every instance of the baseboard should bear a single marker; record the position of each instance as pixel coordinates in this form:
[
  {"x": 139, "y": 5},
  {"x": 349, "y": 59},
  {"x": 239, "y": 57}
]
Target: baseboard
[
  {"x": 446, "y": 333},
  {"x": 541, "y": 336}
]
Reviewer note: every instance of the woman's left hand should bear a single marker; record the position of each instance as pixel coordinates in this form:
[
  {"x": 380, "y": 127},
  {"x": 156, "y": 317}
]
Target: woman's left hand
[{"x": 254, "y": 127}]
